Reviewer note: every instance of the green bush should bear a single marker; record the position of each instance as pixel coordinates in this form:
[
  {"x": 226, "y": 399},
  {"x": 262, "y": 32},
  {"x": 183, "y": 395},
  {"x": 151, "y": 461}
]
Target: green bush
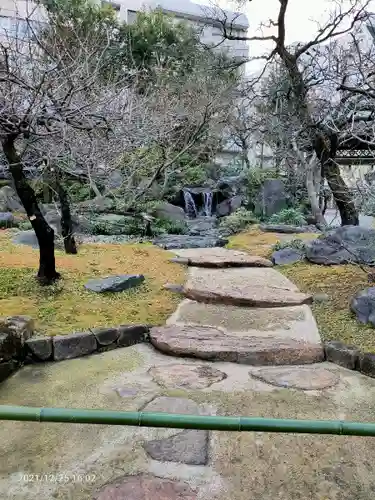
[
  {"x": 237, "y": 221},
  {"x": 25, "y": 225},
  {"x": 79, "y": 192},
  {"x": 296, "y": 243},
  {"x": 291, "y": 216},
  {"x": 165, "y": 226}
]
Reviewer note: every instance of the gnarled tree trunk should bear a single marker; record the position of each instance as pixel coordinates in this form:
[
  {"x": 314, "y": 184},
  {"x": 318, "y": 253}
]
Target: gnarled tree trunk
[
  {"x": 47, "y": 273},
  {"x": 66, "y": 217},
  {"x": 325, "y": 148}
]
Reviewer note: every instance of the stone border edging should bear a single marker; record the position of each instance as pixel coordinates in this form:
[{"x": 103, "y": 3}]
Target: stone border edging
[
  {"x": 74, "y": 345},
  {"x": 350, "y": 357}
]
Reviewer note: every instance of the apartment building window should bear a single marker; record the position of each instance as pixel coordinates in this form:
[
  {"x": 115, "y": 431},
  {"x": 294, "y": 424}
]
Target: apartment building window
[
  {"x": 11, "y": 27},
  {"x": 131, "y": 17}
]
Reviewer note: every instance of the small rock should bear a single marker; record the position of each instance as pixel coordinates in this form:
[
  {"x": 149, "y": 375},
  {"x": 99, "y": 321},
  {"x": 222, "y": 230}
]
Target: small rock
[
  {"x": 287, "y": 256},
  {"x": 367, "y": 364},
  {"x": 320, "y": 298},
  {"x": 73, "y": 345},
  {"x": 146, "y": 488},
  {"x": 342, "y": 354},
  {"x": 126, "y": 392},
  {"x": 7, "y": 368},
  {"x": 186, "y": 376},
  {"x": 307, "y": 378},
  {"x": 105, "y": 336},
  {"x": 219, "y": 258},
  {"x": 14, "y": 331},
  {"x": 174, "y": 288},
  {"x": 40, "y": 348},
  {"x": 131, "y": 334},
  {"x": 187, "y": 447},
  {"x": 363, "y": 305},
  {"x": 114, "y": 283}
]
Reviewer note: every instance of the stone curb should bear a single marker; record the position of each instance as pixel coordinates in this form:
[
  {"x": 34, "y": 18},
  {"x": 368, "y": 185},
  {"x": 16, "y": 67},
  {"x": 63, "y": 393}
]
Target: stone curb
[
  {"x": 350, "y": 357},
  {"x": 74, "y": 345}
]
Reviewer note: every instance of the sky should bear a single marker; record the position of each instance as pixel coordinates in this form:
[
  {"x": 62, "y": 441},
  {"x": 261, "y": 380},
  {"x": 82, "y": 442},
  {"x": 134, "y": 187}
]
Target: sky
[{"x": 301, "y": 19}]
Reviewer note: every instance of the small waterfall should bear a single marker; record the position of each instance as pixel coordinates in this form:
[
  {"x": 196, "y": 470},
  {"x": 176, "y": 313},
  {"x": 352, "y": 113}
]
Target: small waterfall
[
  {"x": 190, "y": 207},
  {"x": 207, "y": 205}
]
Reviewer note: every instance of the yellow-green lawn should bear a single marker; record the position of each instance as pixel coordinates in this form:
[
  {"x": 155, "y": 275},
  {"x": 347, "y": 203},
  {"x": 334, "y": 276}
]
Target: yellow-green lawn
[
  {"x": 340, "y": 283},
  {"x": 68, "y": 306}
]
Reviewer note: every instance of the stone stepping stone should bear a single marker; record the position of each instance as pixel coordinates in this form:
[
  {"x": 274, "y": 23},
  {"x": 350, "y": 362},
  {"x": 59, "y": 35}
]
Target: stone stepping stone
[
  {"x": 248, "y": 287},
  {"x": 189, "y": 446},
  {"x": 219, "y": 257},
  {"x": 213, "y": 344},
  {"x": 307, "y": 378},
  {"x": 295, "y": 322},
  {"x": 186, "y": 376},
  {"x": 144, "y": 487}
]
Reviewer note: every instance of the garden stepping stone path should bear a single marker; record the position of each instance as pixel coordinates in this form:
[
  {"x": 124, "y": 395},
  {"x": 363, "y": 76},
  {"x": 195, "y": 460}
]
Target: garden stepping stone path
[
  {"x": 261, "y": 357},
  {"x": 249, "y": 287},
  {"x": 219, "y": 257}
]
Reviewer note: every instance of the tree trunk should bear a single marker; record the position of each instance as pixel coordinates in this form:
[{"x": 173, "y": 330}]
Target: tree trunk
[
  {"x": 325, "y": 148},
  {"x": 312, "y": 194},
  {"x": 47, "y": 273},
  {"x": 66, "y": 217}
]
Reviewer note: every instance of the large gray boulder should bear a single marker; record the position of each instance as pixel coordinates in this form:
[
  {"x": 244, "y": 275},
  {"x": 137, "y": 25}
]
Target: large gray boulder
[
  {"x": 343, "y": 245},
  {"x": 363, "y": 305},
  {"x": 271, "y": 198},
  {"x": 115, "y": 224},
  {"x": 100, "y": 204},
  {"x": 287, "y": 255},
  {"x": 171, "y": 241},
  {"x": 29, "y": 238},
  {"x": 115, "y": 283},
  {"x": 9, "y": 200},
  {"x": 165, "y": 210}
]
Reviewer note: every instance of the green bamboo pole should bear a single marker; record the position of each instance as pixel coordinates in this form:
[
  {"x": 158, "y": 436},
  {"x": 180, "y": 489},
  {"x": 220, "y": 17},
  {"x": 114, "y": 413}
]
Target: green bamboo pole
[{"x": 177, "y": 421}]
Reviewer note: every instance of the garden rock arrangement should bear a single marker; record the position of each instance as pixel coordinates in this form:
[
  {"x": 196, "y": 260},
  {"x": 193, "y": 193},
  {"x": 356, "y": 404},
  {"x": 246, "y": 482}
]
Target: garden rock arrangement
[
  {"x": 18, "y": 343},
  {"x": 171, "y": 242},
  {"x": 343, "y": 245}
]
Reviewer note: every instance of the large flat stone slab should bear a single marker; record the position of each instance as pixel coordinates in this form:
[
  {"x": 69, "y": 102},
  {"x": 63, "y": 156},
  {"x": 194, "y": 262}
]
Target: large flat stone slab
[
  {"x": 295, "y": 322},
  {"x": 219, "y": 257},
  {"x": 307, "y": 378},
  {"x": 250, "y": 287},
  {"x": 213, "y": 344}
]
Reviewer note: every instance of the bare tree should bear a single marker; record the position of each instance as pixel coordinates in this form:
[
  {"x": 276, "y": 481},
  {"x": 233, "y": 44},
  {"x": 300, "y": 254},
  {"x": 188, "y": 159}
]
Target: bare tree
[{"x": 322, "y": 139}]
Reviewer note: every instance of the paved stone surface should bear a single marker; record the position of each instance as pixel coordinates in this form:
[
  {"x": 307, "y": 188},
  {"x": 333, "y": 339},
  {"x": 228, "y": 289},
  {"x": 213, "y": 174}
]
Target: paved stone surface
[
  {"x": 172, "y": 405},
  {"x": 252, "y": 287},
  {"x": 219, "y": 257},
  {"x": 298, "y": 377},
  {"x": 188, "y": 447},
  {"x": 186, "y": 376},
  {"x": 295, "y": 322},
  {"x": 303, "y": 467},
  {"x": 146, "y": 488},
  {"x": 213, "y": 344}
]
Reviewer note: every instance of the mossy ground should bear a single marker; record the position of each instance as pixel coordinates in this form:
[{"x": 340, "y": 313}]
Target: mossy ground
[
  {"x": 68, "y": 306},
  {"x": 340, "y": 283}
]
